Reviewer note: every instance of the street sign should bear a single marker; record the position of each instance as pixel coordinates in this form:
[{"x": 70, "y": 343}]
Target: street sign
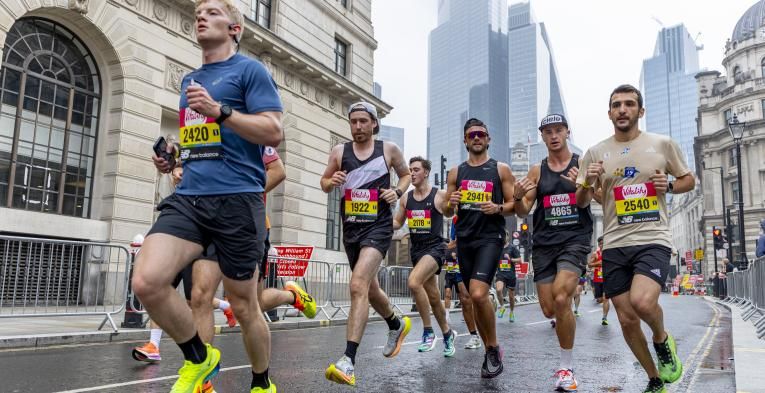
[
  {"x": 521, "y": 270},
  {"x": 699, "y": 254},
  {"x": 689, "y": 260},
  {"x": 287, "y": 267},
  {"x": 725, "y": 246},
  {"x": 516, "y": 242},
  {"x": 516, "y": 234}
]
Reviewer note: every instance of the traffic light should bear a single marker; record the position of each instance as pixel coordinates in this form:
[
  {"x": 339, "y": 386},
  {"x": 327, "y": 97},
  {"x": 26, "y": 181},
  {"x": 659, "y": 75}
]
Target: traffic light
[
  {"x": 524, "y": 234},
  {"x": 443, "y": 171},
  {"x": 717, "y": 236}
]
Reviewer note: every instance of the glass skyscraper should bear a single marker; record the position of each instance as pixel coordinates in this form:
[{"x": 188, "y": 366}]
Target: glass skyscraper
[
  {"x": 467, "y": 77},
  {"x": 534, "y": 86},
  {"x": 668, "y": 83}
]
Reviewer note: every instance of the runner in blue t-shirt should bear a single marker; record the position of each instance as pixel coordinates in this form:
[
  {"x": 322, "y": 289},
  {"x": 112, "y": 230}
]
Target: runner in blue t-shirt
[{"x": 229, "y": 110}]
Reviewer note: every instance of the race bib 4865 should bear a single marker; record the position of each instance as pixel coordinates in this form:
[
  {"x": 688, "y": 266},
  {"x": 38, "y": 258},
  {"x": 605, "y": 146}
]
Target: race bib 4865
[
  {"x": 561, "y": 209},
  {"x": 636, "y": 203}
]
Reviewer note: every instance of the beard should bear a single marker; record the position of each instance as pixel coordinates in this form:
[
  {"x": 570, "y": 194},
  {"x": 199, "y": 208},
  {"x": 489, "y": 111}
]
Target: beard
[
  {"x": 477, "y": 149},
  {"x": 630, "y": 124}
]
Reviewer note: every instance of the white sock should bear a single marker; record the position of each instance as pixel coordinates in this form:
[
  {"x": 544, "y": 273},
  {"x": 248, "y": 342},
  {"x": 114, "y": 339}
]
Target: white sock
[
  {"x": 156, "y": 335},
  {"x": 224, "y": 305},
  {"x": 566, "y": 359}
]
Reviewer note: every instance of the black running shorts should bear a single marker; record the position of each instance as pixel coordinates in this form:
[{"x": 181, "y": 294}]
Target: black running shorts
[
  {"x": 378, "y": 238},
  {"x": 621, "y": 264},
  {"x": 235, "y": 224},
  {"x": 437, "y": 251},
  {"x": 452, "y": 280},
  {"x": 548, "y": 261},
  {"x": 597, "y": 290},
  {"x": 478, "y": 258},
  {"x": 508, "y": 278},
  {"x": 185, "y": 276}
]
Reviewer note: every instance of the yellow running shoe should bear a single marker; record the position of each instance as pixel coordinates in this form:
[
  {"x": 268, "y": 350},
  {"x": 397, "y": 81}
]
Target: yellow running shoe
[
  {"x": 341, "y": 372},
  {"x": 396, "y": 338},
  {"x": 270, "y": 389},
  {"x": 208, "y": 387},
  {"x": 303, "y": 301},
  {"x": 191, "y": 377}
]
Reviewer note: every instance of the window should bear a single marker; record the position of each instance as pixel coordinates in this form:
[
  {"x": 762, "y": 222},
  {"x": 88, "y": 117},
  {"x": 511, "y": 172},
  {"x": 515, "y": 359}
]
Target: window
[
  {"x": 341, "y": 53},
  {"x": 762, "y": 68},
  {"x": 734, "y": 191},
  {"x": 49, "y": 108},
  {"x": 344, "y": 3},
  {"x": 728, "y": 115},
  {"x": 732, "y": 156},
  {"x": 261, "y": 12},
  {"x": 762, "y": 107},
  {"x": 334, "y": 199},
  {"x": 737, "y": 73}
]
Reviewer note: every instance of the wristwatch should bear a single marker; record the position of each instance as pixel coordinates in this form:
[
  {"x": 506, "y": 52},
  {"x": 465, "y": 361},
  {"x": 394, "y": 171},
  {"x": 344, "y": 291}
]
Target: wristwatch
[
  {"x": 671, "y": 187},
  {"x": 501, "y": 207},
  {"x": 225, "y": 113},
  {"x": 399, "y": 193}
]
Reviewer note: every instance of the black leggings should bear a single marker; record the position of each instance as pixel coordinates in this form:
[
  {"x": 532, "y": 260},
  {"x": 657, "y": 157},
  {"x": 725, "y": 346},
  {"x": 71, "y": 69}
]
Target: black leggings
[{"x": 478, "y": 258}]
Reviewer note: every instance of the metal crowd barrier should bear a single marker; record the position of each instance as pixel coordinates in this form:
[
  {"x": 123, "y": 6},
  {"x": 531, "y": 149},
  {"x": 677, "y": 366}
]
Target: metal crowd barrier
[
  {"x": 746, "y": 289},
  {"x": 59, "y": 278},
  {"x": 317, "y": 280}
]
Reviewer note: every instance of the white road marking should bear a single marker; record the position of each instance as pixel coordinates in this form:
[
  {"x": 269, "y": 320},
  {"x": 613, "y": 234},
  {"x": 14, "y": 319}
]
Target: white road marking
[
  {"x": 141, "y": 381},
  {"x": 417, "y": 342}
]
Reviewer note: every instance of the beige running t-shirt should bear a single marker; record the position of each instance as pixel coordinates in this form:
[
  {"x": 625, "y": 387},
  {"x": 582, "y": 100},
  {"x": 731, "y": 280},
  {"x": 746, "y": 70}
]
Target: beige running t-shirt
[{"x": 633, "y": 214}]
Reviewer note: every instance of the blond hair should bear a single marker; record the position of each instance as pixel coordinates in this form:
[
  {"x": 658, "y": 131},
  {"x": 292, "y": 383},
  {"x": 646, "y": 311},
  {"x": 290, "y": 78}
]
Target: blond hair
[{"x": 233, "y": 13}]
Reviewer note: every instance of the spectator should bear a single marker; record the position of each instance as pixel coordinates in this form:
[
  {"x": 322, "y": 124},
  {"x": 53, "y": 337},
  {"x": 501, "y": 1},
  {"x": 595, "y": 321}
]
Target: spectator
[
  {"x": 729, "y": 266},
  {"x": 761, "y": 241}
]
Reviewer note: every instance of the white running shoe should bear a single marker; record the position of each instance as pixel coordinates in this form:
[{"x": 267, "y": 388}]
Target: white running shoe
[
  {"x": 565, "y": 381},
  {"x": 474, "y": 343}
]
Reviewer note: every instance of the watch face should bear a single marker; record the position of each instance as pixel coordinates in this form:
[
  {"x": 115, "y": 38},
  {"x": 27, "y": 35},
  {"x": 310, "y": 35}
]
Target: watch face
[{"x": 226, "y": 110}]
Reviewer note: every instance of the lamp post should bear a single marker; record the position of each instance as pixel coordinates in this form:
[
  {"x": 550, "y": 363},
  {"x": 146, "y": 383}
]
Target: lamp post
[{"x": 736, "y": 129}]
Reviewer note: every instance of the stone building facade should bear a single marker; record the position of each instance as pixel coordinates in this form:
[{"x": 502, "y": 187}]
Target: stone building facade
[{"x": 88, "y": 85}]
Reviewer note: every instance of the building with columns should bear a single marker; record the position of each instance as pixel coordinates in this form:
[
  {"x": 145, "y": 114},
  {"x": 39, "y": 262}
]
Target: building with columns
[
  {"x": 740, "y": 91},
  {"x": 86, "y": 87}
]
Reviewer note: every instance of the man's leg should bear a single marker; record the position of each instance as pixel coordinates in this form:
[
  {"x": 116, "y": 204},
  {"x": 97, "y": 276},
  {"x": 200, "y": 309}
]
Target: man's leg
[
  {"x": 563, "y": 289},
  {"x": 577, "y": 297},
  {"x": 243, "y": 295},
  {"x": 633, "y": 334},
  {"x": 644, "y": 298},
  {"x": 500, "y": 286},
  {"x": 511, "y": 295},
  {"x": 467, "y": 307},
  {"x": 546, "y": 298},
  {"x": 484, "y": 312},
  {"x": 161, "y": 258},
  {"x": 606, "y": 306},
  {"x": 271, "y": 298},
  {"x": 425, "y": 269},
  {"x": 448, "y": 297},
  {"x": 364, "y": 272},
  {"x": 431, "y": 288},
  {"x": 206, "y": 278}
]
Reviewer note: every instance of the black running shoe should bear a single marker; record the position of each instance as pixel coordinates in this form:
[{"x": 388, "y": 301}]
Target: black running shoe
[{"x": 492, "y": 363}]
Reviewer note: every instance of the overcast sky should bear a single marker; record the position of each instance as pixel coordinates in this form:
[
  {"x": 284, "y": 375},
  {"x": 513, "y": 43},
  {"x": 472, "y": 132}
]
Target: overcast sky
[{"x": 597, "y": 44}]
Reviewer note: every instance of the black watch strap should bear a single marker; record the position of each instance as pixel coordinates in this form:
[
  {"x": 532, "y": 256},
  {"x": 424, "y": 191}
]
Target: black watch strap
[
  {"x": 399, "y": 193},
  {"x": 225, "y": 113}
]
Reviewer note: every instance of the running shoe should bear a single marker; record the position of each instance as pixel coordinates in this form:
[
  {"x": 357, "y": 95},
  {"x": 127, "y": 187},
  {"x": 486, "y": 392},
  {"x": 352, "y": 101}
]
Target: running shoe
[
  {"x": 565, "y": 381},
  {"x": 604, "y": 321},
  {"x": 577, "y": 313},
  {"x": 552, "y": 323},
  {"x": 449, "y": 348},
  {"x": 341, "y": 372},
  {"x": 270, "y": 389},
  {"x": 147, "y": 353},
  {"x": 192, "y": 376},
  {"x": 428, "y": 342},
  {"x": 208, "y": 387},
  {"x": 303, "y": 301},
  {"x": 670, "y": 366},
  {"x": 230, "y": 318},
  {"x": 511, "y": 317},
  {"x": 396, "y": 338},
  {"x": 501, "y": 312},
  {"x": 655, "y": 387},
  {"x": 492, "y": 363},
  {"x": 474, "y": 343}
]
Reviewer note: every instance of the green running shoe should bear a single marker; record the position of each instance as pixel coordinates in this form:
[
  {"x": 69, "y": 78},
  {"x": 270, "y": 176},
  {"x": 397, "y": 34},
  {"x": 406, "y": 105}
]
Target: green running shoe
[{"x": 670, "y": 367}]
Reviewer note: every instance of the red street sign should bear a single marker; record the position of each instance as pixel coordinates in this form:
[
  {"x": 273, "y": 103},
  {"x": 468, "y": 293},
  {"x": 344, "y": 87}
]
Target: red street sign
[
  {"x": 689, "y": 260},
  {"x": 516, "y": 235},
  {"x": 286, "y": 267},
  {"x": 521, "y": 269}
]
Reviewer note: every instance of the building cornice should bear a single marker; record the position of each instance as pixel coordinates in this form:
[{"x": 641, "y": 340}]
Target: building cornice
[{"x": 340, "y": 16}]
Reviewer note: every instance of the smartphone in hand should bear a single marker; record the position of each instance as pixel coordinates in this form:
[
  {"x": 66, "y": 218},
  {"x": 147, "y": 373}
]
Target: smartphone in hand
[{"x": 160, "y": 149}]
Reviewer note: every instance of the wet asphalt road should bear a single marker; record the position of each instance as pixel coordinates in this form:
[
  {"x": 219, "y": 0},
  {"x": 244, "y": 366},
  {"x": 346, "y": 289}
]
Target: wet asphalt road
[{"x": 603, "y": 363}]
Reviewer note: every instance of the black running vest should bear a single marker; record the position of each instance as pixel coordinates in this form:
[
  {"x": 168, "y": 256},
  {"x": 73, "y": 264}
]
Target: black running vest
[
  {"x": 424, "y": 220},
  {"x": 361, "y": 206},
  {"x": 479, "y": 184},
  {"x": 557, "y": 219}
]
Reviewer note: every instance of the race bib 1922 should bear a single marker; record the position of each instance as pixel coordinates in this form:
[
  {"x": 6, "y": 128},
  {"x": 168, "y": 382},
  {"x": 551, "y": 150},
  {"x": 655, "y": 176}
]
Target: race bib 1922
[{"x": 361, "y": 205}]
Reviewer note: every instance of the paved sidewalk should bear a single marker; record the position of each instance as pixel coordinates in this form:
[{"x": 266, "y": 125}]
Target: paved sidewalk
[{"x": 748, "y": 352}]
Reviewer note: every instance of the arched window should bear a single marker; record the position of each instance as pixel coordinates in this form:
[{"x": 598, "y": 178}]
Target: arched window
[
  {"x": 737, "y": 73},
  {"x": 50, "y": 93},
  {"x": 762, "y": 68}
]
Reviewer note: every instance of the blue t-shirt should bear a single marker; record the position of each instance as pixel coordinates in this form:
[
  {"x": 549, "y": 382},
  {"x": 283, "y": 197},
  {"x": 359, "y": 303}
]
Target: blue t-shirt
[{"x": 237, "y": 165}]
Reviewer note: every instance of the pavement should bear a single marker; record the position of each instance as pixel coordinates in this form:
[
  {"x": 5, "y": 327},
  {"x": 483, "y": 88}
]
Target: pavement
[
  {"x": 603, "y": 362},
  {"x": 748, "y": 352}
]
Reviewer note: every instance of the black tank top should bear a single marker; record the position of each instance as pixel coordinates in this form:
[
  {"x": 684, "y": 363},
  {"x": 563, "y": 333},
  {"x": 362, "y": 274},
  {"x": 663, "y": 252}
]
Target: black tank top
[
  {"x": 423, "y": 219},
  {"x": 557, "y": 219},
  {"x": 479, "y": 184},
  {"x": 361, "y": 206}
]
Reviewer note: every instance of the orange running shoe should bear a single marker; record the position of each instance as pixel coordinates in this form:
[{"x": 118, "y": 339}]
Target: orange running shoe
[
  {"x": 303, "y": 301},
  {"x": 147, "y": 353},
  {"x": 230, "y": 318},
  {"x": 208, "y": 387}
]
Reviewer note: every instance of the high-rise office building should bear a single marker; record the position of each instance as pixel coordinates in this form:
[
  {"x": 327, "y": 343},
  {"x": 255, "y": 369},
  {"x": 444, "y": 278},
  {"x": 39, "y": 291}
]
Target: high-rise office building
[
  {"x": 534, "y": 86},
  {"x": 467, "y": 77},
  {"x": 668, "y": 83},
  {"x": 392, "y": 134}
]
